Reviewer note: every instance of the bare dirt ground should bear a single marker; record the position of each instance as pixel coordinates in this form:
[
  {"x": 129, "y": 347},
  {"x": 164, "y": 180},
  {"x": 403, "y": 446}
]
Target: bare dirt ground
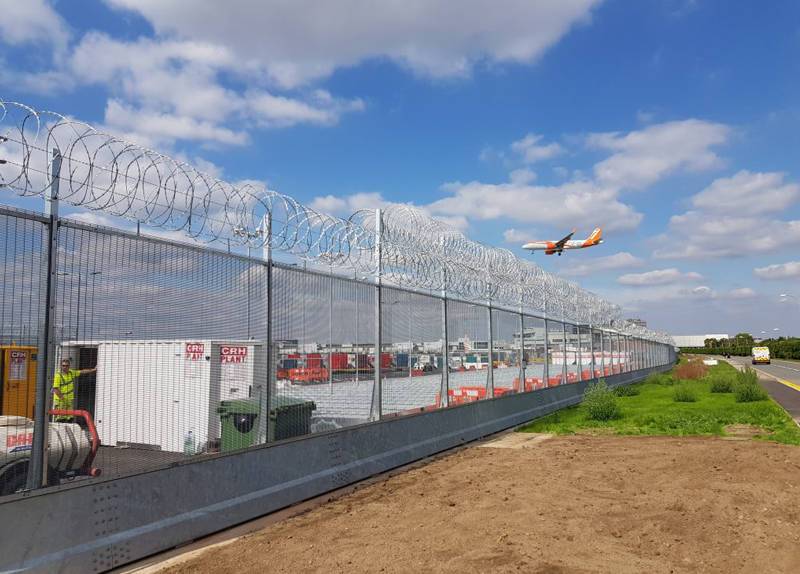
[{"x": 566, "y": 504}]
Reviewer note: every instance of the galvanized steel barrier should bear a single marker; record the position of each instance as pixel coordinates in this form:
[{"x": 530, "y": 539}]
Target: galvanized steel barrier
[{"x": 224, "y": 383}]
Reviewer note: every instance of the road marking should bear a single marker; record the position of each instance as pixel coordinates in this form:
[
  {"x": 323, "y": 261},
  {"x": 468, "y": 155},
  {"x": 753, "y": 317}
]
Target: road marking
[
  {"x": 789, "y": 384},
  {"x": 787, "y": 368}
]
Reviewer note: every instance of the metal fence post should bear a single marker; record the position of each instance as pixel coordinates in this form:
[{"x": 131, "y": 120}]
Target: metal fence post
[
  {"x": 490, "y": 374},
  {"x": 377, "y": 389},
  {"x": 564, "y": 370},
  {"x": 591, "y": 351},
  {"x": 444, "y": 399},
  {"x": 330, "y": 335},
  {"x": 522, "y": 363},
  {"x": 37, "y": 470},
  {"x": 267, "y": 394},
  {"x": 602, "y": 353},
  {"x": 578, "y": 351},
  {"x": 546, "y": 370}
]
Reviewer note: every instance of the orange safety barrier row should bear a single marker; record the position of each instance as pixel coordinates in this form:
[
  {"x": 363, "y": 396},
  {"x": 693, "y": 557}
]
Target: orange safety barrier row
[
  {"x": 531, "y": 384},
  {"x": 308, "y": 375},
  {"x": 554, "y": 381}
]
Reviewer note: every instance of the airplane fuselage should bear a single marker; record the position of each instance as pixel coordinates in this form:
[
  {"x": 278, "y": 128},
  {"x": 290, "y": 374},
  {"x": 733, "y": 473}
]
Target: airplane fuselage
[
  {"x": 545, "y": 245},
  {"x": 557, "y": 247}
]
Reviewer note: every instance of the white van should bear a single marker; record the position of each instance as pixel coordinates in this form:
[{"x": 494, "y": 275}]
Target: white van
[{"x": 760, "y": 355}]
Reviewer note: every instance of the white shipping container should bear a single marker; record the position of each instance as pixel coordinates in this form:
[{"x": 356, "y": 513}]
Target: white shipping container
[{"x": 151, "y": 393}]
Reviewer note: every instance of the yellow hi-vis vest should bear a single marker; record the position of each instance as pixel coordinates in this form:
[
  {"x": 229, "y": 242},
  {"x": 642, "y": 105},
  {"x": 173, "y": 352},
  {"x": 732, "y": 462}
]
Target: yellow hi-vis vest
[{"x": 65, "y": 383}]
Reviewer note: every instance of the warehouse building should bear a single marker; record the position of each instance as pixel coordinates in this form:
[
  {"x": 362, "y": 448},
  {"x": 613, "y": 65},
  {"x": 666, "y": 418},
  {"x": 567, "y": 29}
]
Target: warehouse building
[{"x": 696, "y": 341}]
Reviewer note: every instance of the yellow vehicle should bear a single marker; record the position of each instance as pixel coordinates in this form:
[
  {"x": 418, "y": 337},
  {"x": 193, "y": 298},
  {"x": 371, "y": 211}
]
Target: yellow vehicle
[{"x": 760, "y": 355}]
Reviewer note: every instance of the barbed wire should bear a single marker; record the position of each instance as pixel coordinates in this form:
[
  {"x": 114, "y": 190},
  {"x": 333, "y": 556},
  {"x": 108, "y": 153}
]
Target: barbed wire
[{"x": 104, "y": 173}]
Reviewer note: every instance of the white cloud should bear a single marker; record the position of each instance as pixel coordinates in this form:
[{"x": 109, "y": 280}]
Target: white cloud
[
  {"x": 561, "y": 172},
  {"x": 741, "y": 293},
  {"x": 304, "y": 40},
  {"x": 99, "y": 218},
  {"x": 173, "y": 90},
  {"x": 577, "y": 203},
  {"x": 621, "y": 260},
  {"x": 703, "y": 292},
  {"x": 29, "y": 21},
  {"x": 747, "y": 192},
  {"x": 788, "y": 270},
  {"x": 345, "y": 206},
  {"x": 643, "y": 157},
  {"x": 731, "y": 218},
  {"x": 531, "y": 151},
  {"x": 522, "y": 176},
  {"x": 700, "y": 235},
  {"x": 658, "y": 277},
  {"x": 159, "y": 128},
  {"x": 639, "y": 158},
  {"x": 517, "y": 236},
  {"x": 279, "y": 111}
]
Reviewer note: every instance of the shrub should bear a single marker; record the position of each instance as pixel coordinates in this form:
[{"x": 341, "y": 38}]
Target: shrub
[
  {"x": 749, "y": 393},
  {"x": 722, "y": 382},
  {"x": 627, "y": 391},
  {"x": 691, "y": 371},
  {"x": 747, "y": 376},
  {"x": 659, "y": 379},
  {"x": 601, "y": 405},
  {"x": 684, "y": 394}
]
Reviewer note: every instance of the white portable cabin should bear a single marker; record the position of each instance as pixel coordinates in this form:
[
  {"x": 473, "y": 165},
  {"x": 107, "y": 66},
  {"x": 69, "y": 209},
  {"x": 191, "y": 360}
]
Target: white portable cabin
[{"x": 150, "y": 393}]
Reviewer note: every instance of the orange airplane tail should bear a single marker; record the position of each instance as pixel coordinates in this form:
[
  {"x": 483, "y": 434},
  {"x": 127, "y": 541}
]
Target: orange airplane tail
[{"x": 595, "y": 238}]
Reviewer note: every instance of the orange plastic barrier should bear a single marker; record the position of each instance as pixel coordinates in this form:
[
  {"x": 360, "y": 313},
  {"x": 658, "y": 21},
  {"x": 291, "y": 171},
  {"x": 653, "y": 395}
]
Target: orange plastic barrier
[
  {"x": 554, "y": 381},
  {"x": 466, "y": 395},
  {"x": 308, "y": 375},
  {"x": 531, "y": 384}
]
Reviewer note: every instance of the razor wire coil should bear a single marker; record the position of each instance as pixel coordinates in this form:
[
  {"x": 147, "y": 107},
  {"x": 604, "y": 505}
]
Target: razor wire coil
[{"x": 103, "y": 173}]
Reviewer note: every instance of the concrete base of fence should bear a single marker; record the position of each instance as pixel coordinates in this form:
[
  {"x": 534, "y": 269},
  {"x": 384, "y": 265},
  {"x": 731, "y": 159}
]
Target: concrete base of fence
[{"x": 99, "y": 525}]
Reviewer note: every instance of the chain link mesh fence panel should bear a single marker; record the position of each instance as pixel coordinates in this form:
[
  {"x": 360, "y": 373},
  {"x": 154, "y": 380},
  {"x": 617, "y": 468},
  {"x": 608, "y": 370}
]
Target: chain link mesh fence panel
[
  {"x": 412, "y": 351},
  {"x": 507, "y": 352},
  {"x": 23, "y": 245},
  {"x": 468, "y": 340},
  {"x": 571, "y": 347},
  {"x": 153, "y": 339},
  {"x": 323, "y": 333},
  {"x": 536, "y": 355}
]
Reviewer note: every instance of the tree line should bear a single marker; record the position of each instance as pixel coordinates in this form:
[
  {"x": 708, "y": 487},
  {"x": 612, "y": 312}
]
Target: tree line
[{"x": 743, "y": 343}]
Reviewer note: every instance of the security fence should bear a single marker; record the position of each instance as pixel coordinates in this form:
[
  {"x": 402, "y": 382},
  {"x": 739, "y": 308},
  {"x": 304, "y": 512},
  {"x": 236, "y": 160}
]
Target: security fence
[
  {"x": 177, "y": 351},
  {"x": 196, "y": 353}
]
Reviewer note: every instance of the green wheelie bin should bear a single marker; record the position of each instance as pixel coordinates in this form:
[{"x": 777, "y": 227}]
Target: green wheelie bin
[{"x": 289, "y": 417}]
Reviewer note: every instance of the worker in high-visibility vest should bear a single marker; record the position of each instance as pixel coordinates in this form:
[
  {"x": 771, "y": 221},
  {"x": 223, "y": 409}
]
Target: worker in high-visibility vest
[{"x": 64, "y": 385}]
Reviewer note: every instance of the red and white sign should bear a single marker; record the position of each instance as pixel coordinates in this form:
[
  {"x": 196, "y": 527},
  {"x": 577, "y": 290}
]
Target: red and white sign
[
  {"x": 195, "y": 351},
  {"x": 18, "y": 369},
  {"x": 231, "y": 354},
  {"x": 14, "y": 440}
]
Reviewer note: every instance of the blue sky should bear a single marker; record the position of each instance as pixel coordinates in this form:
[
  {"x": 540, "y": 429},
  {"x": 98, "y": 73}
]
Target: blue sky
[{"x": 673, "y": 124}]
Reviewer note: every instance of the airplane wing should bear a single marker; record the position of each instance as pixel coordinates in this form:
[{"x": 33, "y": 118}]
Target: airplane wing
[{"x": 559, "y": 245}]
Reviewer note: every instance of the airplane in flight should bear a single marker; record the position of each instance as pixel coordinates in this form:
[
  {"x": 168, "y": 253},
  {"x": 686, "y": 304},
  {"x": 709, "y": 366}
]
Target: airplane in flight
[{"x": 551, "y": 247}]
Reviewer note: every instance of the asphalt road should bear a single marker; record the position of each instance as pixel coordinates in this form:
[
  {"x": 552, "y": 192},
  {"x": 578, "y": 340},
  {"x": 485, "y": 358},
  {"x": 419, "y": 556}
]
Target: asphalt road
[{"x": 781, "y": 379}]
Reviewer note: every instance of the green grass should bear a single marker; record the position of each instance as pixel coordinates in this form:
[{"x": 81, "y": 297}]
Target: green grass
[
  {"x": 654, "y": 412},
  {"x": 685, "y": 393},
  {"x": 600, "y": 402}
]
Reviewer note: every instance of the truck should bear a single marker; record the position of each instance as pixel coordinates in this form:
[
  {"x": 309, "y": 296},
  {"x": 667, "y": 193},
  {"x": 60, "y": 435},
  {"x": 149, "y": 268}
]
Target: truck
[
  {"x": 760, "y": 355},
  {"x": 72, "y": 449}
]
